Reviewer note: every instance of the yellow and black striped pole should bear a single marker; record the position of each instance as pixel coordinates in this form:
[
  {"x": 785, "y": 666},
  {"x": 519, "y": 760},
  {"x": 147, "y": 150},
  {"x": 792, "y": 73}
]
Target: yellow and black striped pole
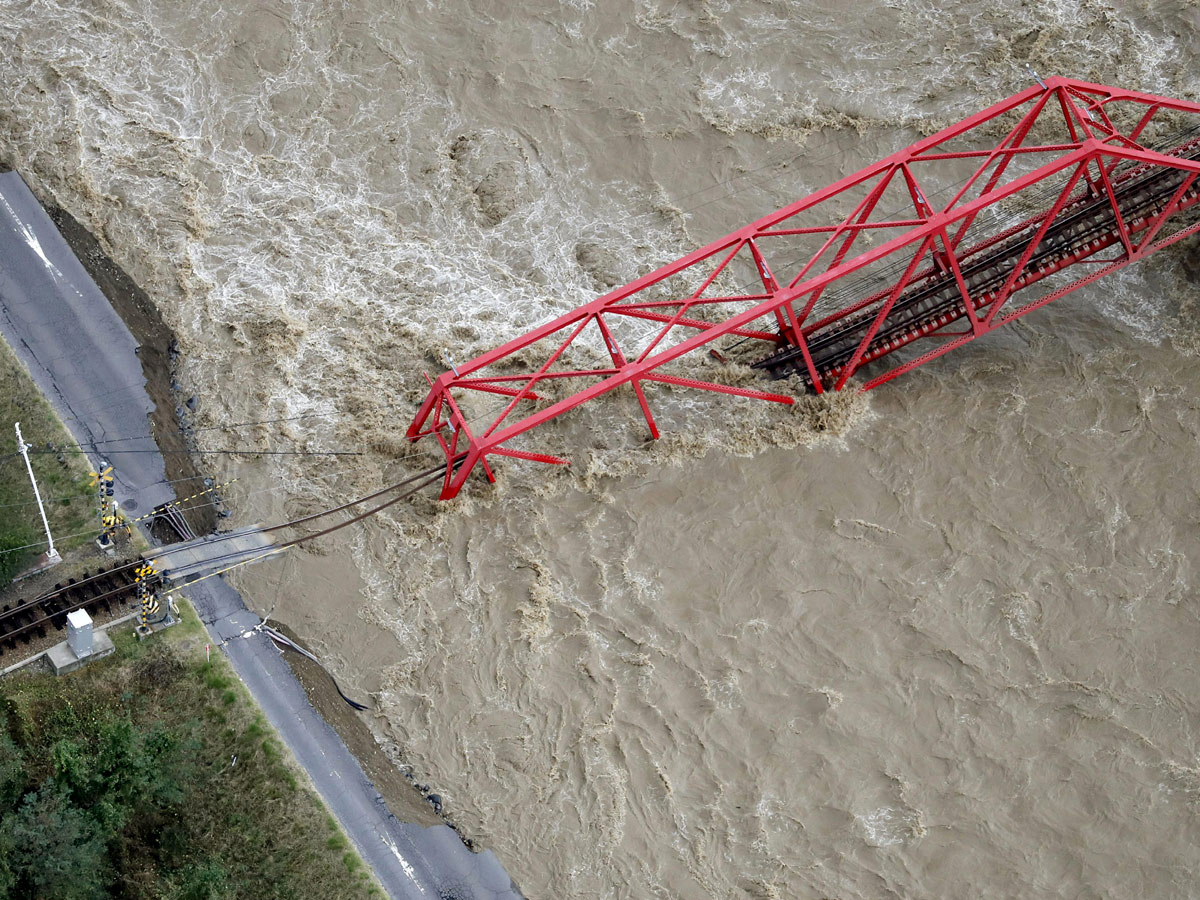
[
  {"x": 208, "y": 490},
  {"x": 145, "y": 576}
]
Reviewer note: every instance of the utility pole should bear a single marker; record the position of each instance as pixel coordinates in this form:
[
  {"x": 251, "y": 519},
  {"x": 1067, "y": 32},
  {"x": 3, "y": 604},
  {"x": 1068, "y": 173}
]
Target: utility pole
[{"x": 52, "y": 554}]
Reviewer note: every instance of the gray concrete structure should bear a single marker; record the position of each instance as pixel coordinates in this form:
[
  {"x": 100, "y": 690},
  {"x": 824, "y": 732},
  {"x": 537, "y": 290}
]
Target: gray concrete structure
[
  {"x": 64, "y": 659},
  {"x": 83, "y": 358},
  {"x": 79, "y": 633}
]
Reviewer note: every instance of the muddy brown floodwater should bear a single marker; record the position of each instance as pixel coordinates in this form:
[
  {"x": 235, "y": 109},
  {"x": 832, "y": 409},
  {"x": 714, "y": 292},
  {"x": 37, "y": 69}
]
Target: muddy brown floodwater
[{"x": 938, "y": 642}]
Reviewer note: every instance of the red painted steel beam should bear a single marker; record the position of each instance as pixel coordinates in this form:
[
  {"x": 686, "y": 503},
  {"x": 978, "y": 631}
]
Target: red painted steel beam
[{"x": 1098, "y": 188}]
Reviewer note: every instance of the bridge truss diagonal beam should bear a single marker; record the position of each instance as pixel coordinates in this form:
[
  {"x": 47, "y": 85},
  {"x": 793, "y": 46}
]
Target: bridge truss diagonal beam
[{"x": 944, "y": 231}]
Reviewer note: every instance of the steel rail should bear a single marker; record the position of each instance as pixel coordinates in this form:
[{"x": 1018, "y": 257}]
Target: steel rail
[
  {"x": 831, "y": 347},
  {"x": 10, "y": 636},
  {"x": 60, "y": 590}
]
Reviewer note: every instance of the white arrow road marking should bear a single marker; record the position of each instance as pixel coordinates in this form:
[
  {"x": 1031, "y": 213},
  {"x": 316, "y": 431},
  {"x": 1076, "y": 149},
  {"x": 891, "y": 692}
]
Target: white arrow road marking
[{"x": 404, "y": 864}]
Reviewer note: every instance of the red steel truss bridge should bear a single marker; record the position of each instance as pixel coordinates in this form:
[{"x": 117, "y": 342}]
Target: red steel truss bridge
[{"x": 933, "y": 247}]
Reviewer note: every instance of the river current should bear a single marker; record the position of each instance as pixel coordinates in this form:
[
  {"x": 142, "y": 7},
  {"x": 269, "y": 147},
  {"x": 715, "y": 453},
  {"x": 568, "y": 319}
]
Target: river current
[{"x": 938, "y": 641}]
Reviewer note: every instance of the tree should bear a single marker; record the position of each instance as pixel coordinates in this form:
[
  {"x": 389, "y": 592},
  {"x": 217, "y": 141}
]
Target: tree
[
  {"x": 203, "y": 881},
  {"x": 53, "y": 849},
  {"x": 8, "y": 880},
  {"x": 118, "y": 771}
]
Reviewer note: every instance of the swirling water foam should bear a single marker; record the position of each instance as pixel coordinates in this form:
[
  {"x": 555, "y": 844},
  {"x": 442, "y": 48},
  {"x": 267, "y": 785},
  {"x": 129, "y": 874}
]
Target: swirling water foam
[{"x": 948, "y": 650}]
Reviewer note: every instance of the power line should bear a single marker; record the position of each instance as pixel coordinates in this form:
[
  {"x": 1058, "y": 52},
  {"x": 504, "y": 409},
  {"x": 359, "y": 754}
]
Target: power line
[
  {"x": 78, "y": 448},
  {"x": 91, "y": 497},
  {"x": 236, "y": 451},
  {"x": 424, "y": 479},
  {"x": 183, "y": 509},
  {"x": 183, "y": 433}
]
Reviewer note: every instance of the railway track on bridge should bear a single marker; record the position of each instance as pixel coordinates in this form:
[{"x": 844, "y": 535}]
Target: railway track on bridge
[
  {"x": 1058, "y": 185},
  {"x": 108, "y": 589},
  {"x": 1086, "y": 227}
]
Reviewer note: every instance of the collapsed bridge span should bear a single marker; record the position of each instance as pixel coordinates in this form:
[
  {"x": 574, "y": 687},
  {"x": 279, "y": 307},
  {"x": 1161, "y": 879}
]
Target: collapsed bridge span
[{"x": 1038, "y": 195}]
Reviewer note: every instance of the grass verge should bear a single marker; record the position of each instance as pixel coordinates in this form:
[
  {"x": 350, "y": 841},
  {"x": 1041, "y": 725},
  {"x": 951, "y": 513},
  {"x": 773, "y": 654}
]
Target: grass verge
[
  {"x": 63, "y": 479},
  {"x": 152, "y": 775}
]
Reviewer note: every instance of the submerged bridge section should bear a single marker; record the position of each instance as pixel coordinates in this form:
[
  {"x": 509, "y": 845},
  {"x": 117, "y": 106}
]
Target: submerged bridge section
[{"x": 935, "y": 246}]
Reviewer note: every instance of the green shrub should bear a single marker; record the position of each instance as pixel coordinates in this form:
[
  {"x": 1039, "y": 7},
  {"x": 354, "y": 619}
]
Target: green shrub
[
  {"x": 55, "y": 849},
  {"x": 114, "y": 781}
]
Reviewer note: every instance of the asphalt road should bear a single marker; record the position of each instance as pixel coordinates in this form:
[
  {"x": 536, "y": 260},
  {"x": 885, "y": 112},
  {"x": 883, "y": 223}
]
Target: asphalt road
[
  {"x": 84, "y": 359},
  {"x": 75, "y": 346}
]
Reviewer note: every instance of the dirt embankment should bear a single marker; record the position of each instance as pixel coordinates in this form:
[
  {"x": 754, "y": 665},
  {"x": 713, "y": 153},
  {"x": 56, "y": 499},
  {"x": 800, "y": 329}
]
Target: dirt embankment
[{"x": 404, "y": 797}]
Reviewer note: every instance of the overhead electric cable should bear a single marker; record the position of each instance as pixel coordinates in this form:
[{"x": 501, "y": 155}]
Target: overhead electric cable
[{"x": 188, "y": 432}]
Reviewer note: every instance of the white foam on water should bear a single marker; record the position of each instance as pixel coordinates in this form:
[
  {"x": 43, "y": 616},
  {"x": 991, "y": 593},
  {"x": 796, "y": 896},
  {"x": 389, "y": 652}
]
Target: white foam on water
[{"x": 687, "y": 669}]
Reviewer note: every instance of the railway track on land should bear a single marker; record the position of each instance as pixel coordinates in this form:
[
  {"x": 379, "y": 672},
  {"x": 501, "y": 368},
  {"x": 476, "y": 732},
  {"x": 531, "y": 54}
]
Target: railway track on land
[
  {"x": 108, "y": 589},
  {"x": 116, "y": 585}
]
